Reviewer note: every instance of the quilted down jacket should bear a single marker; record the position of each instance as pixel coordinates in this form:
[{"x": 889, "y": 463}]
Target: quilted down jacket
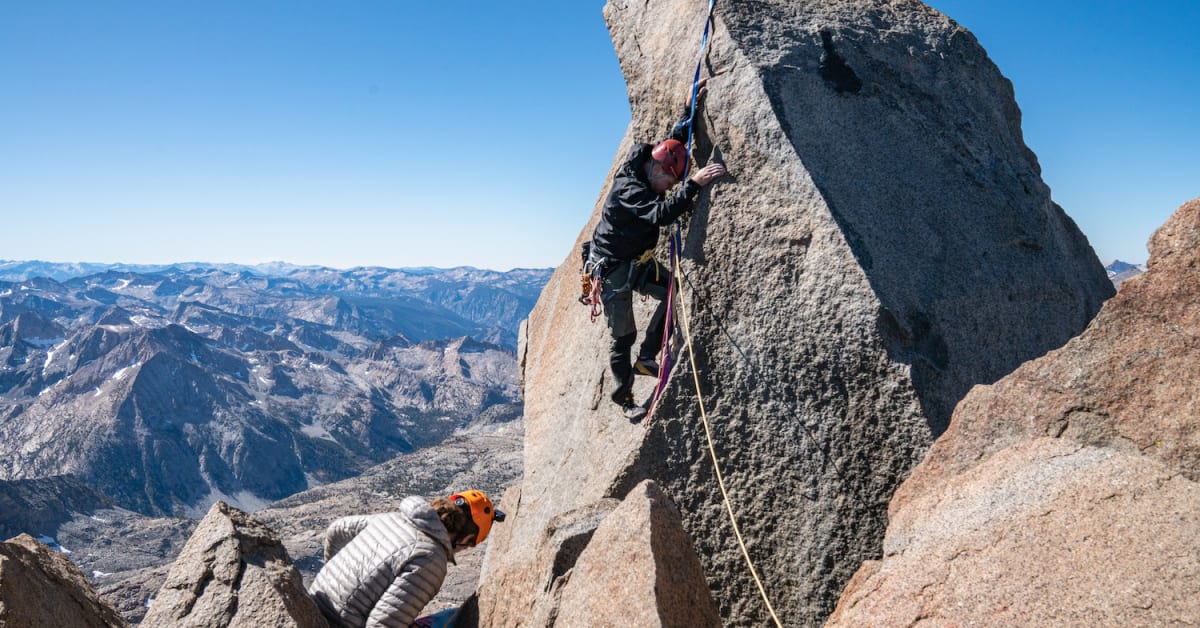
[{"x": 381, "y": 570}]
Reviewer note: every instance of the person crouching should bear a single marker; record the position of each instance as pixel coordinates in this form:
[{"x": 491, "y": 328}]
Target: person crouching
[{"x": 382, "y": 569}]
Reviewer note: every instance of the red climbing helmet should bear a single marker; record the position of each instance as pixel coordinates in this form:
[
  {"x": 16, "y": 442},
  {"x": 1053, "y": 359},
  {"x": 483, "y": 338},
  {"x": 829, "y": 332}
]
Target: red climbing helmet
[{"x": 672, "y": 155}]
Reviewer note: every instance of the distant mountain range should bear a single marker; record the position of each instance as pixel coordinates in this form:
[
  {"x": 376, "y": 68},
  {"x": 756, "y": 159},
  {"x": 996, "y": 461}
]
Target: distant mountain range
[
  {"x": 1119, "y": 271},
  {"x": 421, "y": 303},
  {"x": 169, "y": 388},
  {"x": 20, "y": 270}
]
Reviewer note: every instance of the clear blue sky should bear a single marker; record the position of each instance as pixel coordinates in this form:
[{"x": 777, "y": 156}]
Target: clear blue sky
[{"x": 396, "y": 133}]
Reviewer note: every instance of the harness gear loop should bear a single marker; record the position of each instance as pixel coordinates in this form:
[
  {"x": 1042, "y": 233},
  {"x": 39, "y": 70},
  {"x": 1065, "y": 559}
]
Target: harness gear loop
[
  {"x": 589, "y": 287},
  {"x": 590, "y": 273},
  {"x": 595, "y": 301}
]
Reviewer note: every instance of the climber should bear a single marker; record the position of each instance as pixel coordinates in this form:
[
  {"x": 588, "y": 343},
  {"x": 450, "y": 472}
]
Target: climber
[
  {"x": 382, "y": 569},
  {"x": 622, "y": 247}
]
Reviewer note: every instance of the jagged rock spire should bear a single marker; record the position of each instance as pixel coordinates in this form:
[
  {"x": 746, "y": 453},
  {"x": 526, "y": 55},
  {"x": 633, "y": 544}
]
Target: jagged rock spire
[
  {"x": 883, "y": 243},
  {"x": 234, "y": 571}
]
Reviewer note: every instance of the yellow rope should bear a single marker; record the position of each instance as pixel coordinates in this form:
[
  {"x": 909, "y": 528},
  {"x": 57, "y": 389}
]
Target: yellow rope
[{"x": 687, "y": 334}]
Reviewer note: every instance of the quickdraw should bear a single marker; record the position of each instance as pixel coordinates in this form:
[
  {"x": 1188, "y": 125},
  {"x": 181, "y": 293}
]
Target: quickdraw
[
  {"x": 590, "y": 271},
  {"x": 589, "y": 284}
]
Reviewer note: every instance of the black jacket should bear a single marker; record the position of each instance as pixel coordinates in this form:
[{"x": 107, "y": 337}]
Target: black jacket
[{"x": 633, "y": 212}]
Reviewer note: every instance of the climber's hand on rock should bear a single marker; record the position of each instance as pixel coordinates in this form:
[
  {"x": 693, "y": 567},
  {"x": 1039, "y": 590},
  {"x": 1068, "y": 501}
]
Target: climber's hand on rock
[
  {"x": 708, "y": 173},
  {"x": 701, "y": 90}
]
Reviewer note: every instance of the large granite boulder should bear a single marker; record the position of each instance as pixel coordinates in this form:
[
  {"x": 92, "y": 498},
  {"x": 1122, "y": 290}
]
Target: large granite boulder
[
  {"x": 1068, "y": 493},
  {"x": 640, "y": 569},
  {"x": 883, "y": 243},
  {"x": 40, "y": 587},
  {"x": 233, "y": 572}
]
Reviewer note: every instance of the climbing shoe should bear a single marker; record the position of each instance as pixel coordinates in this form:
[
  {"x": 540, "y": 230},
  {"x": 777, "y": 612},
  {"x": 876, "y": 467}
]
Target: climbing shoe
[
  {"x": 623, "y": 397},
  {"x": 631, "y": 410},
  {"x": 646, "y": 366}
]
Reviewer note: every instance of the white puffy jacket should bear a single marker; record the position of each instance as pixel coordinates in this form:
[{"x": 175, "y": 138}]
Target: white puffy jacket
[{"x": 381, "y": 570}]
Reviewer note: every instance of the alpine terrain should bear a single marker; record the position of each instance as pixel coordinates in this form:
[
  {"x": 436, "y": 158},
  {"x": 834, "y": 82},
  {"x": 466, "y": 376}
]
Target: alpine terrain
[
  {"x": 906, "y": 392},
  {"x": 167, "y": 391}
]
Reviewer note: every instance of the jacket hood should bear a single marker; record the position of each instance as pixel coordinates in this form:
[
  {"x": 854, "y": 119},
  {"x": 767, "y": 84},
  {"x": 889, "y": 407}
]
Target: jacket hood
[
  {"x": 424, "y": 518},
  {"x": 635, "y": 164}
]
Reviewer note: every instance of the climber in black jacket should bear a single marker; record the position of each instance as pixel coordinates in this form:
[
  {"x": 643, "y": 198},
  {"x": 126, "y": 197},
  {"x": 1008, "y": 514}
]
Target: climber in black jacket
[{"x": 623, "y": 247}]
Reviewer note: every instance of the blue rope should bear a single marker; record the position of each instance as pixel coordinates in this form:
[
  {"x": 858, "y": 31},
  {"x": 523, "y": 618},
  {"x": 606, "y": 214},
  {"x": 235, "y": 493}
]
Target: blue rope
[
  {"x": 696, "y": 87},
  {"x": 677, "y": 233}
]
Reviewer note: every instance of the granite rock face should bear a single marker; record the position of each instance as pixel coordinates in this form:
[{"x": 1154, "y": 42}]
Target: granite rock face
[
  {"x": 40, "y": 587},
  {"x": 1068, "y": 493},
  {"x": 883, "y": 243},
  {"x": 233, "y": 572},
  {"x": 639, "y": 570}
]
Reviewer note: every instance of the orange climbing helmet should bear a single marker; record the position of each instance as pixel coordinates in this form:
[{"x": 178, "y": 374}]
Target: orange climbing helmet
[
  {"x": 480, "y": 509},
  {"x": 672, "y": 155}
]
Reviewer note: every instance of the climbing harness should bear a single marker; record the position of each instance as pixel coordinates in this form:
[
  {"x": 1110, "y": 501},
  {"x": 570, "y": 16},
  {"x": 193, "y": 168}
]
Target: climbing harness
[{"x": 593, "y": 269}]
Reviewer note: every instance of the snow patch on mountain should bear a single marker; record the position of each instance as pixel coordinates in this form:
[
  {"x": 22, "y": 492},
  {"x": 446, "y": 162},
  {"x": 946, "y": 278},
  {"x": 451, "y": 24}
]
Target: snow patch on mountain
[
  {"x": 243, "y": 500},
  {"x": 1119, "y": 271},
  {"x": 316, "y": 430},
  {"x": 120, "y": 374},
  {"x": 52, "y": 543}
]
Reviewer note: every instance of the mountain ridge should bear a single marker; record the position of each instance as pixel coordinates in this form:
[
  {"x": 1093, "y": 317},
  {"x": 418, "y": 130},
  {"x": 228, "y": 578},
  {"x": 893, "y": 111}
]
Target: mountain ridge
[
  {"x": 170, "y": 391},
  {"x": 20, "y": 270},
  {"x": 1119, "y": 271}
]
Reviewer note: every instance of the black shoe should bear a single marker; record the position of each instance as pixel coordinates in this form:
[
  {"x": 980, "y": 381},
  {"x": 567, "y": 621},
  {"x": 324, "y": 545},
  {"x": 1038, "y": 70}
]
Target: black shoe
[
  {"x": 624, "y": 397},
  {"x": 646, "y": 366},
  {"x": 634, "y": 413}
]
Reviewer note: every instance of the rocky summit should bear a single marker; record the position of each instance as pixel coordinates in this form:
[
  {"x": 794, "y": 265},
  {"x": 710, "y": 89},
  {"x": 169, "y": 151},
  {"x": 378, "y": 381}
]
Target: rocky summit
[
  {"x": 233, "y": 572},
  {"x": 883, "y": 243},
  {"x": 40, "y": 587},
  {"x": 1068, "y": 493},
  {"x": 170, "y": 391},
  {"x": 1119, "y": 271}
]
